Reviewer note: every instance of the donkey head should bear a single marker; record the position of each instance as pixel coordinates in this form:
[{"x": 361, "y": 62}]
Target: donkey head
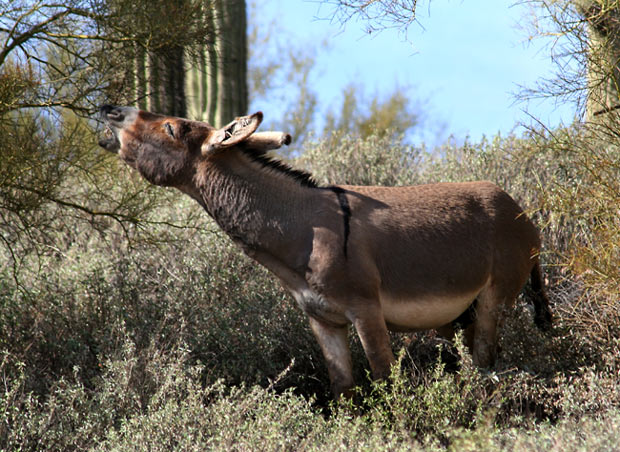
[{"x": 165, "y": 149}]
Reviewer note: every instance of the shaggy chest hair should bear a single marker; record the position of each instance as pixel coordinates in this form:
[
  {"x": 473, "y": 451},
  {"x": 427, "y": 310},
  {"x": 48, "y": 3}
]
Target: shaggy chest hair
[{"x": 238, "y": 207}]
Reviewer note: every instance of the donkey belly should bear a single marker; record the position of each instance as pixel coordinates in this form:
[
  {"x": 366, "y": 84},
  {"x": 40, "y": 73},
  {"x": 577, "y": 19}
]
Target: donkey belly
[{"x": 423, "y": 313}]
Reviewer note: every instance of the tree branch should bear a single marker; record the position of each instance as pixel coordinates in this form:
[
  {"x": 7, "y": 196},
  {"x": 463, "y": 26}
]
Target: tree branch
[{"x": 16, "y": 41}]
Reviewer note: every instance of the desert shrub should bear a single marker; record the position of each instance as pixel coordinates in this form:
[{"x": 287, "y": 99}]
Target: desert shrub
[
  {"x": 430, "y": 403},
  {"x": 588, "y": 433},
  {"x": 165, "y": 405},
  {"x": 70, "y": 416},
  {"x": 591, "y": 203},
  {"x": 234, "y": 317},
  {"x": 376, "y": 159}
]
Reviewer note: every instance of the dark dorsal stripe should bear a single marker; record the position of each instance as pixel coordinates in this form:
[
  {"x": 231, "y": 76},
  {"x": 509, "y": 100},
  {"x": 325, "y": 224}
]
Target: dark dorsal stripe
[
  {"x": 346, "y": 214},
  {"x": 302, "y": 177}
]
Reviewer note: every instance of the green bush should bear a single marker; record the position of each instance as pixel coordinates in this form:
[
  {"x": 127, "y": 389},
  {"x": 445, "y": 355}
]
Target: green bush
[
  {"x": 199, "y": 289},
  {"x": 374, "y": 160}
]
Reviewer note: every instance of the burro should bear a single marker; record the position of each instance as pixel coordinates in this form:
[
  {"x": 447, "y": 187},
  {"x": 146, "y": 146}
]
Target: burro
[{"x": 379, "y": 258}]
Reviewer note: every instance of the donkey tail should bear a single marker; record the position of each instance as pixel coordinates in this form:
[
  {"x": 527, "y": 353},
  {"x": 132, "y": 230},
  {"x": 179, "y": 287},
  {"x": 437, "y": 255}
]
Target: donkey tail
[{"x": 542, "y": 313}]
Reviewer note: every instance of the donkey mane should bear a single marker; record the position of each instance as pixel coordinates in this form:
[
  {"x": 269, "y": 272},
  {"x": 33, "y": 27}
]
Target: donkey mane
[{"x": 303, "y": 178}]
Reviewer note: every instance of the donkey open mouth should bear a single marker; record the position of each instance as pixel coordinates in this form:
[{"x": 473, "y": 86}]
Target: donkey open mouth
[{"x": 115, "y": 119}]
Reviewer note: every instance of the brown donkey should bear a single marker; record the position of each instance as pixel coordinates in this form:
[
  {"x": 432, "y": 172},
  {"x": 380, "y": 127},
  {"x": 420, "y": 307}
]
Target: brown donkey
[{"x": 380, "y": 258}]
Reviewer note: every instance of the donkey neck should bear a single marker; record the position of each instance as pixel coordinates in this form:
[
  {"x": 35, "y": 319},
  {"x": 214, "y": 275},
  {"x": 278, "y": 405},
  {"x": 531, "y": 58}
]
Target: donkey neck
[{"x": 262, "y": 208}]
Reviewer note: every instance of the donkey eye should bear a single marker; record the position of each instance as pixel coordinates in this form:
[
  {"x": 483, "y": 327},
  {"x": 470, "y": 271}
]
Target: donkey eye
[{"x": 169, "y": 129}]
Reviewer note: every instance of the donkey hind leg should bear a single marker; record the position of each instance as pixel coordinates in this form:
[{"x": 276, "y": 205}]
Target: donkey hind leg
[
  {"x": 488, "y": 311},
  {"x": 449, "y": 331},
  {"x": 334, "y": 344},
  {"x": 465, "y": 323},
  {"x": 373, "y": 334}
]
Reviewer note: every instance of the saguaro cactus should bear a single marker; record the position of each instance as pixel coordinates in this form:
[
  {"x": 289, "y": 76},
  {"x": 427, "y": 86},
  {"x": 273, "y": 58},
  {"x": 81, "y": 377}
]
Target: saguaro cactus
[
  {"x": 206, "y": 81},
  {"x": 216, "y": 82},
  {"x": 603, "y": 17},
  {"x": 160, "y": 80}
]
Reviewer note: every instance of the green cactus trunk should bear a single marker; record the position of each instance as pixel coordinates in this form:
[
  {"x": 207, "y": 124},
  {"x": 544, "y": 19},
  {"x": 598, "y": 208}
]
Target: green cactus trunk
[
  {"x": 207, "y": 82},
  {"x": 603, "y": 17}
]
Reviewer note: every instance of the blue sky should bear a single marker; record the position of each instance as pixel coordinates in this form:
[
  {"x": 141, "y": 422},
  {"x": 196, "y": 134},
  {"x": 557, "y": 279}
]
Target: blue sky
[{"x": 464, "y": 63}]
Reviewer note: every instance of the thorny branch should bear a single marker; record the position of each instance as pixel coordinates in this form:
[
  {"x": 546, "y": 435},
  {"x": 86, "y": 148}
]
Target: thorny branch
[{"x": 378, "y": 15}]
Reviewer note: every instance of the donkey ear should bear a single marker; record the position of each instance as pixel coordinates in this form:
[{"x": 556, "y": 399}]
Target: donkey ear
[
  {"x": 231, "y": 134},
  {"x": 267, "y": 141}
]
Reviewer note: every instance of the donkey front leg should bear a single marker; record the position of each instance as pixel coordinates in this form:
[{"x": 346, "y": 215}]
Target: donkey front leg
[{"x": 334, "y": 343}]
